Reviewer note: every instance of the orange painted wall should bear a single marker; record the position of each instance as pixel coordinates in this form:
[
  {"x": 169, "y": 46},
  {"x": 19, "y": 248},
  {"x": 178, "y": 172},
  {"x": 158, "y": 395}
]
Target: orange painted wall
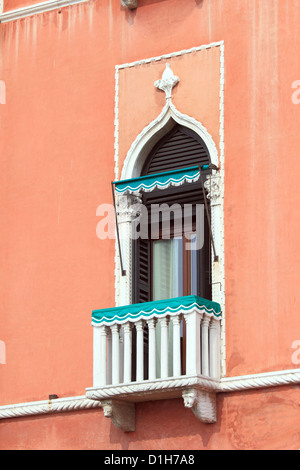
[{"x": 57, "y": 162}]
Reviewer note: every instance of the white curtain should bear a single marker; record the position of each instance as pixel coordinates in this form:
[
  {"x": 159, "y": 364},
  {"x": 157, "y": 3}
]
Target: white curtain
[{"x": 167, "y": 283}]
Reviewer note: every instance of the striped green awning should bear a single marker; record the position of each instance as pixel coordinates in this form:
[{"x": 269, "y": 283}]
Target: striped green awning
[
  {"x": 157, "y": 309},
  {"x": 159, "y": 181}
]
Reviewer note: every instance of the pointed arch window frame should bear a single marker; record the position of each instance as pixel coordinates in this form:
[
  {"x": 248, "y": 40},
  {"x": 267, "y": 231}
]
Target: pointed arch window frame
[{"x": 132, "y": 169}]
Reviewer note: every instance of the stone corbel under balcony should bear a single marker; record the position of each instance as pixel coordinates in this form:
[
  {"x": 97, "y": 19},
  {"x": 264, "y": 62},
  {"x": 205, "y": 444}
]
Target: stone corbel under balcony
[
  {"x": 114, "y": 386},
  {"x": 130, "y": 4}
]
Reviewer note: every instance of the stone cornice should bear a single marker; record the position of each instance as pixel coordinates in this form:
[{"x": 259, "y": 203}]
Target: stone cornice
[
  {"x": 225, "y": 385},
  {"x": 58, "y": 405},
  {"x": 36, "y": 9}
]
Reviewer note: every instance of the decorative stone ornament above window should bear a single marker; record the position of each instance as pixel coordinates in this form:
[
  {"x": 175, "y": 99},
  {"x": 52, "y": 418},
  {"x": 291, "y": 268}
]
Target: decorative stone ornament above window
[
  {"x": 131, "y": 4},
  {"x": 167, "y": 82}
]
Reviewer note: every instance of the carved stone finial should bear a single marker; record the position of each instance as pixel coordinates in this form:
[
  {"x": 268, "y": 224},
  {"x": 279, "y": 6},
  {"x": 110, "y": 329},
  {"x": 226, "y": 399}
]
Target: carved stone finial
[
  {"x": 167, "y": 82},
  {"x": 131, "y": 4}
]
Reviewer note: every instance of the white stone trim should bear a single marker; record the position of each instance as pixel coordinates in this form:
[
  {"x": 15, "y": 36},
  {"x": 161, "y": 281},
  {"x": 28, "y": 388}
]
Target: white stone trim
[
  {"x": 257, "y": 381},
  {"x": 59, "y": 405},
  {"x": 221, "y": 233},
  {"x": 148, "y": 388},
  {"x": 225, "y": 385},
  {"x": 36, "y": 9},
  {"x": 144, "y": 141}
]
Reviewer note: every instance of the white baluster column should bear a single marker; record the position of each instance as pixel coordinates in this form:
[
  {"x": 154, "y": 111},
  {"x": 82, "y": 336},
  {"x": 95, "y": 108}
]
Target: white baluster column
[
  {"x": 214, "y": 348},
  {"x": 164, "y": 347},
  {"x": 109, "y": 357},
  {"x": 140, "y": 351},
  {"x": 152, "y": 349},
  {"x": 127, "y": 352},
  {"x": 97, "y": 356},
  {"x": 193, "y": 353},
  {"x": 115, "y": 330},
  {"x": 176, "y": 347},
  {"x": 99, "y": 345},
  {"x": 205, "y": 349}
]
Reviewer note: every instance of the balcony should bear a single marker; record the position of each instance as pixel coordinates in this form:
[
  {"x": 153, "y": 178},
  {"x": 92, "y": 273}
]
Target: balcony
[{"x": 153, "y": 351}]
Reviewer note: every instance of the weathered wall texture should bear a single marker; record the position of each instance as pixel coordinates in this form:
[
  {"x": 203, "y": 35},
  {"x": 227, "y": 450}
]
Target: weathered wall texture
[
  {"x": 267, "y": 420},
  {"x": 56, "y": 166}
]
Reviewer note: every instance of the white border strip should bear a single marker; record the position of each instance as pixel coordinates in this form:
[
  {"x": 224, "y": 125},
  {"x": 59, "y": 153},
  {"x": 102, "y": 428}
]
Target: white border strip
[
  {"x": 36, "y": 9},
  {"x": 227, "y": 385},
  {"x": 61, "y": 405}
]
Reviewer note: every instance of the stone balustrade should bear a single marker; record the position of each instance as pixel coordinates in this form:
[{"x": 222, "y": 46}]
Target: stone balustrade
[{"x": 157, "y": 350}]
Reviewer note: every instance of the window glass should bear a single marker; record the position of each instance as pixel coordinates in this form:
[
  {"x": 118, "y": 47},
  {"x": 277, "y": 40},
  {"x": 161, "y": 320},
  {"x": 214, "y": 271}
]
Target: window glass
[{"x": 167, "y": 268}]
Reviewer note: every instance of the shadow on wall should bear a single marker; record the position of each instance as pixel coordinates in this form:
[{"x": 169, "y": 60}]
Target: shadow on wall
[
  {"x": 143, "y": 3},
  {"x": 130, "y": 14}
]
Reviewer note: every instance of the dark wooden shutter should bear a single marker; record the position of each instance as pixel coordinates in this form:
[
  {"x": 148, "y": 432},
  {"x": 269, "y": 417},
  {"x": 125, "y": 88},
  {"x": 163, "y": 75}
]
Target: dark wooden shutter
[
  {"x": 180, "y": 148},
  {"x": 141, "y": 269}
]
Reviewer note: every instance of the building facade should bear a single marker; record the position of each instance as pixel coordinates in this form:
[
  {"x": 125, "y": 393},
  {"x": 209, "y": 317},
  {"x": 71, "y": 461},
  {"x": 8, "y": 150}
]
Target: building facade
[{"x": 114, "y": 333}]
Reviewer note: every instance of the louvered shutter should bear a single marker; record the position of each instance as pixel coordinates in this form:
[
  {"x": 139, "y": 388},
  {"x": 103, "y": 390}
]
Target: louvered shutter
[
  {"x": 180, "y": 148},
  {"x": 142, "y": 275}
]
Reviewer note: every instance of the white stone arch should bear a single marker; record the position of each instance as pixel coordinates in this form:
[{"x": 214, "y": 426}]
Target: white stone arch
[{"x": 151, "y": 134}]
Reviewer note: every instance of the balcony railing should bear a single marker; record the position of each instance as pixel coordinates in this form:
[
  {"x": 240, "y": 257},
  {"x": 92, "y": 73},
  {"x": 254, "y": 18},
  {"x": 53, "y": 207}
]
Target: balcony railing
[{"x": 156, "y": 350}]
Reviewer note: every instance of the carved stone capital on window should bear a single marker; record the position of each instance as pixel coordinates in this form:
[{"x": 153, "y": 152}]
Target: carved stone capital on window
[
  {"x": 213, "y": 188},
  {"x": 130, "y": 4},
  {"x": 128, "y": 207}
]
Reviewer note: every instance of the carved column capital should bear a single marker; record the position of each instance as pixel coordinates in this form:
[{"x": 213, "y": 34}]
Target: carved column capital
[
  {"x": 213, "y": 188},
  {"x": 151, "y": 323},
  {"x": 128, "y": 207}
]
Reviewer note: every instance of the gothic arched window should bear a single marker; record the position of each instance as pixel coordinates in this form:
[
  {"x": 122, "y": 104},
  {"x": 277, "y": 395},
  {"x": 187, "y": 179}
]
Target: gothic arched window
[{"x": 169, "y": 262}]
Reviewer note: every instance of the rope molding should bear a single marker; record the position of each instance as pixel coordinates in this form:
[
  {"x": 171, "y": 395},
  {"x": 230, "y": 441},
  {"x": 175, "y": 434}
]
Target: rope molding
[
  {"x": 47, "y": 407},
  {"x": 35, "y": 9},
  {"x": 233, "y": 384}
]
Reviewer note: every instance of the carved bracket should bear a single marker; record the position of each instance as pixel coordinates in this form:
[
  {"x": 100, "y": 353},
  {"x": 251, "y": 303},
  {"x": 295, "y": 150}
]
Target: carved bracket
[
  {"x": 131, "y": 4},
  {"x": 121, "y": 413},
  {"x": 202, "y": 403}
]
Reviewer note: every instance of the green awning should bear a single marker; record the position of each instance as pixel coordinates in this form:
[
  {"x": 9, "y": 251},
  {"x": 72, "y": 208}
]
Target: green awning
[
  {"x": 157, "y": 309},
  {"x": 159, "y": 181}
]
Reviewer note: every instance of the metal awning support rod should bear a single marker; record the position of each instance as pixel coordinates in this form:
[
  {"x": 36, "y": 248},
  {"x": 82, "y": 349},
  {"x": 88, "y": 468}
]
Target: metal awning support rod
[
  {"x": 216, "y": 258},
  {"x": 117, "y": 230}
]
